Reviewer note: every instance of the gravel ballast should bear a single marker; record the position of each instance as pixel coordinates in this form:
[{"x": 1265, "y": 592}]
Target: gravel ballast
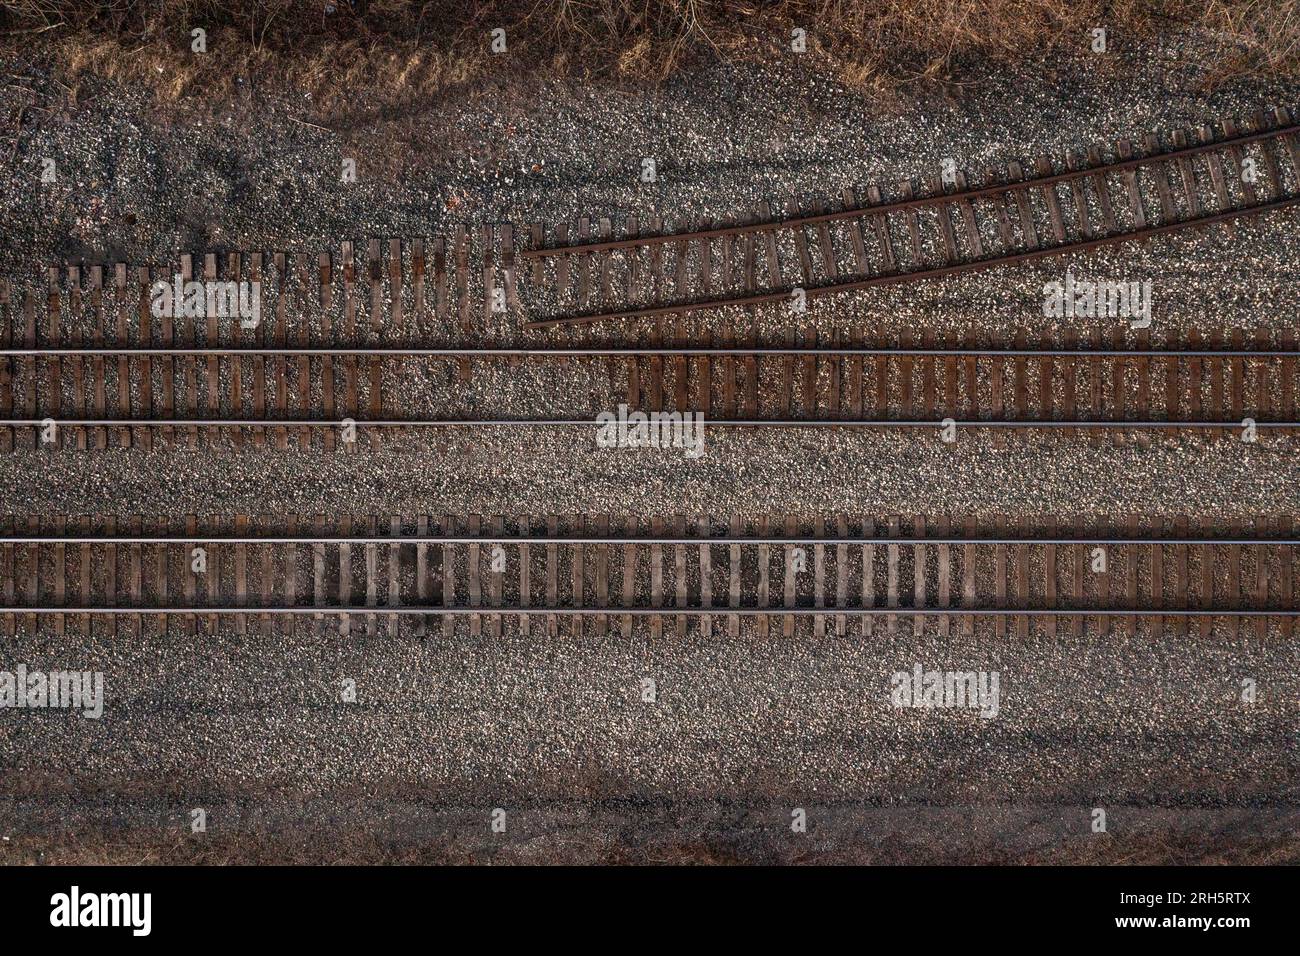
[{"x": 744, "y": 729}]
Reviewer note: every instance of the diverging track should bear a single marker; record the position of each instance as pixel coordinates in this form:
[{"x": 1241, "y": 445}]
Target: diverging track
[
  {"x": 929, "y": 231},
  {"x": 90, "y": 360}
]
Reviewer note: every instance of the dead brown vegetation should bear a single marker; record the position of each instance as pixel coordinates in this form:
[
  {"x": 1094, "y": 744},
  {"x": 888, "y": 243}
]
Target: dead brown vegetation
[{"x": 338, "y": 49}]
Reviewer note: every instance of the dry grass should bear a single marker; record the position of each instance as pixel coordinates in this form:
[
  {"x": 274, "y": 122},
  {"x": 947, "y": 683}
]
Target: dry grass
[
  {"x": 412, "y": 51},
  {"x": 1262, "y": 34}
]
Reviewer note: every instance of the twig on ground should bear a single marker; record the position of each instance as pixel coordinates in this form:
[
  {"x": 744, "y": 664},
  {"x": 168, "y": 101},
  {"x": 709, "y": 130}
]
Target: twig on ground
[
  {"x": 32, "y": 30},
  {"x": 312, "y": 125},
  {"x": 18, "y": 132}
]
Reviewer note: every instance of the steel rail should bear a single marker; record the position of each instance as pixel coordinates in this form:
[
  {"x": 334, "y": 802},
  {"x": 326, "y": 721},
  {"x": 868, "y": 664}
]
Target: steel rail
[
  {"x": 624, "y": 540},
  {"x": 914, "y": 203},
  {"x": 614, "y": 611},
  {"x": 634, "y": 351},
  {"x": 936, "y": 272},
  {"x": 1040, "y": 424}
]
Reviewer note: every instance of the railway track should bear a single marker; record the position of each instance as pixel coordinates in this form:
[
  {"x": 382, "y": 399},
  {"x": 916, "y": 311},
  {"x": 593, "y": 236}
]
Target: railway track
[
  {"x": 300, "y": 391},
  {"x": 608, "y": 572},
  {"x": 85, "y": 362},
  {"x": 303, "y": 387},
  {"x": 932, "y": 229},
  {"x": 307, "y": 392}
]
